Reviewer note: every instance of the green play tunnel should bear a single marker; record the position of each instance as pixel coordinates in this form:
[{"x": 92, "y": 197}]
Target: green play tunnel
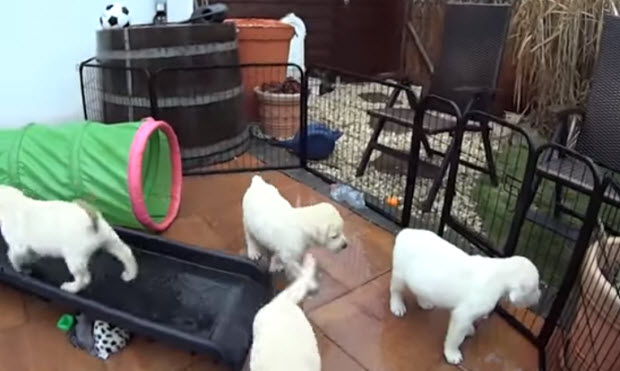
[{"x": 131, "y": 172}]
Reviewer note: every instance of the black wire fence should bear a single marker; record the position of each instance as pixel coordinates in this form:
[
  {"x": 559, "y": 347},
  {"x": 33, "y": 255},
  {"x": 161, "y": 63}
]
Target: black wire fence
[
  {"x": 227, "y": 118},
  {"x": 587, "y": 335},
  {"x": 481, "y": 182},
  {"x": 341, "y": 101}
]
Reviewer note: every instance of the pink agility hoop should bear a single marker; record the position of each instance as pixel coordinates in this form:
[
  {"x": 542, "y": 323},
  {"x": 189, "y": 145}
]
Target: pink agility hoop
[{"x": 134, "y": 174}]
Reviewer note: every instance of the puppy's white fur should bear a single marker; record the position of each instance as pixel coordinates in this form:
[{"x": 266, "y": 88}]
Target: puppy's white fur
[
  {"x": 33, "y": 228},
  {"x": 271, "y": 224},
  {"x": 442, "y": 275},
  {"x": 283, "y": 336}
]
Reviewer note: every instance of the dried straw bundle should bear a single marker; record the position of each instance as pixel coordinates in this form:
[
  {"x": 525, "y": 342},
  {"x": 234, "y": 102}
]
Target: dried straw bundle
[{"x": 555, "y": 46}]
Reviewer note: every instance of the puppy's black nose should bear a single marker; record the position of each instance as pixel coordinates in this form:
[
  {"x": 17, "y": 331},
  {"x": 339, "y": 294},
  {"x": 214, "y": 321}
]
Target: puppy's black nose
[{"x": 344, "y": 246}]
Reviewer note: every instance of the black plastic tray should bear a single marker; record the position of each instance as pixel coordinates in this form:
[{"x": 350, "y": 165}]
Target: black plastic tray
[{"x": 197, "y": 299}]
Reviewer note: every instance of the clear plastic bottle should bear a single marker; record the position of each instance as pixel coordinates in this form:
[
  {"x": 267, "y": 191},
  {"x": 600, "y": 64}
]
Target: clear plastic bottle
[{"x": 350, "y": 196}]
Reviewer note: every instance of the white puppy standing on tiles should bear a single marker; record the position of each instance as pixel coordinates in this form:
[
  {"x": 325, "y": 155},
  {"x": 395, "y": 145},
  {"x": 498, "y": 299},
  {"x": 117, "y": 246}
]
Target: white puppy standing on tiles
[
  {"x": 272, "y": 225},
  {"x": 441, "y": 275}
]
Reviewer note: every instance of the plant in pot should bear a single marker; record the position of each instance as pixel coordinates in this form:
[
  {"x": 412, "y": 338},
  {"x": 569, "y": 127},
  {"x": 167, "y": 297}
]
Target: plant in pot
[
  {"x": 279, "y": 107},
  {"x": 595, "y": 331}
]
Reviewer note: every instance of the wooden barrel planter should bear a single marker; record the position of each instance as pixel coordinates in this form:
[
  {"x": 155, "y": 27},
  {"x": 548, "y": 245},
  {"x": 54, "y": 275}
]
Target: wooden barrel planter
[
  {"x": 204, "y": 106},
  {"x": 595, "y": 331}
]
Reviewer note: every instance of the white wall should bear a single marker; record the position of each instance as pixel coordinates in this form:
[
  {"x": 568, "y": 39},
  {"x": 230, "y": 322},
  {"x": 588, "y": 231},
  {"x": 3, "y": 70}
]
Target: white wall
[{"x": 42, "y": 42}]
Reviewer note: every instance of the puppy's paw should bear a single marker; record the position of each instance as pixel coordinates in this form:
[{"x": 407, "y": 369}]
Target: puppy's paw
[
  {"x": 276, "y": 269},
  {"x": 276, "y": 266},
  {"x": 425, "y": 305},
  {"x": 254, "y": 254},
  {"x": 397, "y": 306},
  {"x": 128, "y": 276},
  {"x": 453, "y": 357},
  {"x": 71, "y": 287}
]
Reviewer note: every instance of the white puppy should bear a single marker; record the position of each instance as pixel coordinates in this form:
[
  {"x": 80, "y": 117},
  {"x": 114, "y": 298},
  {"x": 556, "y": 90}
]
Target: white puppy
[
  {"x": 283, "y": 337},
  {"x": 271, "y": 224},
  {"x": 442, "y": 275},
  {"x": 60, "y": 229}
]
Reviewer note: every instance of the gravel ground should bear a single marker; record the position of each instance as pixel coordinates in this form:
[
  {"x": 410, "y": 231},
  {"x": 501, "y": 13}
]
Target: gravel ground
[{"x": 345, "y": 109}]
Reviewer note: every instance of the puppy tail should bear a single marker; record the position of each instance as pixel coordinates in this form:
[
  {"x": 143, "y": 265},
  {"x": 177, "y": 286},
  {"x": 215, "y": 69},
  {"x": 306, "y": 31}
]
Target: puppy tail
[
  {"x": 122, "y": 252},
  {"x": 305, "y": 281},
  {"x": 92, "y": 213}
]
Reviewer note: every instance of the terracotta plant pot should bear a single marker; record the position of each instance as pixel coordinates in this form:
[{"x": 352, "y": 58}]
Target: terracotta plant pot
[
  {"x": 261, "y": 41},
  {"x": 595, "y": 332},
  {"x": 279, "y": 113}
]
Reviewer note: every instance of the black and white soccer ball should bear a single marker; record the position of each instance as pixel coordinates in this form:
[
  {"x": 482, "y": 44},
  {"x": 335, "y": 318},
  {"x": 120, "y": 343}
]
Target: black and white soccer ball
[{"x": 115, "y": 16}]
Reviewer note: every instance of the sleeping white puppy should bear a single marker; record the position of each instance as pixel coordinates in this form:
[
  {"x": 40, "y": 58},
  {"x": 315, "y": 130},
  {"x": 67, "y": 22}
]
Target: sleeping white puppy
[
  {"x": 69, "y": 230},
  {"x": 283, "y": 337},
  {"x": 272, "y": 225},
  {"x": 441, "y": 275}
]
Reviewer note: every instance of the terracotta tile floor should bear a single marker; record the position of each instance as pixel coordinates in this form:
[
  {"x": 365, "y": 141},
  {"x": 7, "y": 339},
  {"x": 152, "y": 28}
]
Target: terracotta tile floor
[{"x": 354, "y": 328}]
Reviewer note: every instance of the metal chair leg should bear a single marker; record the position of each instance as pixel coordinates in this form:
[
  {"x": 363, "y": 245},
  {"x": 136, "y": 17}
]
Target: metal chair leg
[
  {"x": 374, "y": 139},
  {"x": 531, "y": 182},
  {"x": 427, "y": 147},
  {"x": 443, "y": 169},
  {"x": 557, "y": 205},
  {"x": 488, "y": 151},
  {"x": 361, "y": 168}
]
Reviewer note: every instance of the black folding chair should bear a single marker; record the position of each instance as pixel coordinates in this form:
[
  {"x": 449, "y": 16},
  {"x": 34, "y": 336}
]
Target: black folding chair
[
  {"x": 592, "y": 131},
  {"x": 467, "y": 74}
]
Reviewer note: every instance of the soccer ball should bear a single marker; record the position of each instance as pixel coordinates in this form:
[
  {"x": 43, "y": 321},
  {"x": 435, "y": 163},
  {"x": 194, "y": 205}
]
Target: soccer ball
[{"x": 114, "y": 16}]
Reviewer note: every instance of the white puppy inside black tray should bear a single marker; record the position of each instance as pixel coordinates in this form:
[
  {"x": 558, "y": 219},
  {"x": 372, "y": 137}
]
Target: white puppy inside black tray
[{"x": 59, "y": 229}]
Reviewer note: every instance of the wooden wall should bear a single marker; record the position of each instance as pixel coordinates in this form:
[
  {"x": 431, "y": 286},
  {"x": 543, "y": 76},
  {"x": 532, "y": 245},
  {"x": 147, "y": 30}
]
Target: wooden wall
[
  {"x": 368, "y": 35},
  {"x": 362, "y": 36},
  {"x": 316, "y": 14}
]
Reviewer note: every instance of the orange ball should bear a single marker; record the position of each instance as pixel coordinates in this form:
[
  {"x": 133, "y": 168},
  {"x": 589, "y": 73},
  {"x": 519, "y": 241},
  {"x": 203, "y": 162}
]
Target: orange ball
[{"x": 392, "y": 201}]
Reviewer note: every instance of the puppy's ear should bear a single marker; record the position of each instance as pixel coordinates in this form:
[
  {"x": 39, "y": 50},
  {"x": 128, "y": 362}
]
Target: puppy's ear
[
  {"x": 518, "y": 296},
  {"x": 320, "y": 233},
  {"x": 513, "y": 295}
]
